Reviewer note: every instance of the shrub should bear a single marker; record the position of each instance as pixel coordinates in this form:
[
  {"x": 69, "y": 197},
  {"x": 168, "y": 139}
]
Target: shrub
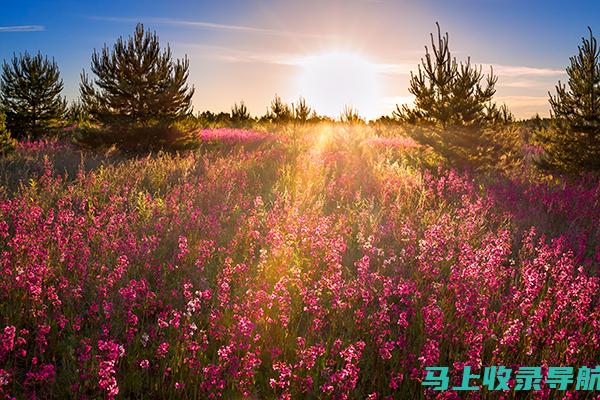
[{"x": 7, "y": 143}]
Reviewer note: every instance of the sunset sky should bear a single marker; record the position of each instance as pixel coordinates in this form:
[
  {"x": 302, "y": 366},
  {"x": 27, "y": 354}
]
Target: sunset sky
[{"x": 333, "y": 52}]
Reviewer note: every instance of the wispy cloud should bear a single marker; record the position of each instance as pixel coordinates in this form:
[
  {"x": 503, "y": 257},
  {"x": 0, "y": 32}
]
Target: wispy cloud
[
  {"x": 522, "y": 84},
  {"x": 513, "y": 71},
  {"x": 500, "y": 70},
  {"x": 228, "y": 54},
  {"x": 212, "y": 26},
  {"x": 22, "y": 28}
]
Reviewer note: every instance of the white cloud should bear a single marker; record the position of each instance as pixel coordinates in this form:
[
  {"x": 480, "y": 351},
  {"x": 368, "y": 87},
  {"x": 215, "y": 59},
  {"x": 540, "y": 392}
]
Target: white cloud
[
  {"x": 211, "y": 26},
  {"x": 22, "y": 28},
  {"x": 229, "y": 54},
  {"x": 513, "y": 70},
  {"x": 522, "y": 84},
  {"x": 500, "y": 70}
]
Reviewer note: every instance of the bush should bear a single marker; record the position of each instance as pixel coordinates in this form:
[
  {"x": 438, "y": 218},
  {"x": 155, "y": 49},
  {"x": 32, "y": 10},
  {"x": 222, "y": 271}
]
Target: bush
[
  {"x": 136, "y": 139},
  {"x": 7, "y": 143}
]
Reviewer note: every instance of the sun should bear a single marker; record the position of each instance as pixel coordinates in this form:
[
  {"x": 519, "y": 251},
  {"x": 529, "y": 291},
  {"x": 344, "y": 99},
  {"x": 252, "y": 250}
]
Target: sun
[{"x": 329, "y": 81}]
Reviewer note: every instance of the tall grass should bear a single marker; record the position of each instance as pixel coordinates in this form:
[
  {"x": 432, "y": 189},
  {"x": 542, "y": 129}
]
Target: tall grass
[{"x": 323, "y": 265}]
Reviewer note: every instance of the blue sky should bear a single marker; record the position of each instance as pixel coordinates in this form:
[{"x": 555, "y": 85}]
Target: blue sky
[{"x": 250, "y": 50}]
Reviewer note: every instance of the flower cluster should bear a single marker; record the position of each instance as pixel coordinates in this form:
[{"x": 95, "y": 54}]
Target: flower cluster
[
  {"x": 233, "y": 136},
  {"x": 260, "y": 273}
]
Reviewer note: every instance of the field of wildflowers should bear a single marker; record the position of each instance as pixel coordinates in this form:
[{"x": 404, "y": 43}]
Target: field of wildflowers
[{"x": 327, "y": 266}]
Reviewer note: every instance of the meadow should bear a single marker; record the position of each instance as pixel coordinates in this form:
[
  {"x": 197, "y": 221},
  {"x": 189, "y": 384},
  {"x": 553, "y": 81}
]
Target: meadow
[{"x": 325, "y": 262}]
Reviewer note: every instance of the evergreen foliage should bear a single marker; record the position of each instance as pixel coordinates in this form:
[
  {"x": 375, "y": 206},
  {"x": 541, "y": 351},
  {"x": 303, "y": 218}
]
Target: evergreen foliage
[
  {"x": 351, "y": 116},
  {"x": 572, "y": 142},
  {"x": 302, "y": 111},
  {"x": 240, "y": 117},
  {"x": 139, "y": 91},
  {"x": 30, "y": 98},
  {"x": 454, "y": 106},
  {"x": 448, "y": 93},
  {"x": 76, "y": 114},
  {"x": 280, "y": 112},
  {"x": 7, "y": 142}
]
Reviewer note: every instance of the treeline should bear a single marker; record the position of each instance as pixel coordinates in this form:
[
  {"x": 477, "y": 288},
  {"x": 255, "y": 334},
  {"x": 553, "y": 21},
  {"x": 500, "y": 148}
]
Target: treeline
[{"x": 138, "y": 96}]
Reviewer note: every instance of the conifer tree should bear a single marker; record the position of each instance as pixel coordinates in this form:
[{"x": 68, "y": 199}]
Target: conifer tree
[
  {"x": 572, "y": 142},
  {"x": 302, "y": 110},
  {"x": 137, "y": 85},
  {"x": 448, "y": 93},
  {"x": 76, "y": 113},
  {"x": 280, "y": 111},
  {"x": 240, "y": 117},
  {"x": 350, "y": 115},
  {"x": 454, "y": 100},
  {"x": 30, "y": 89}
]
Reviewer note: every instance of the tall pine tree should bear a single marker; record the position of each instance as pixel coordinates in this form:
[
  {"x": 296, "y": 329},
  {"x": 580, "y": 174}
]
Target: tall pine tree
[
  {"x": 454, "y": 101},
  {"x": 138, "y": 86},
  {"x": 448, "y": 93},
  {"x": 30, "y": 89},
  {"x": 572, "y": 143}
]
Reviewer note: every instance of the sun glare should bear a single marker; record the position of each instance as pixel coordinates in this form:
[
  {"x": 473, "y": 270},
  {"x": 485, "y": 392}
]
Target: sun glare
[{"x": 330, "y": 81}]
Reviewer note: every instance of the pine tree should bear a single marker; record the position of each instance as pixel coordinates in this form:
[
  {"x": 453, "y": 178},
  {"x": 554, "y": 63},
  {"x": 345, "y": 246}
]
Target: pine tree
[
  {"x": 350, "y": 115},
  {"x": 497, "y": 116},
  {"x": 454, "y": 101},
  {"x": 76, "y": 114},
  {"x": 302, "y": 110},
  {"x": 448, "y": 93},
  {"x": 280, "y": 112},
  {"x": 30, "y": 95},
  {"x": 572, "y": 143},
  {"x": 240, "y": 117},
  {"x": 138, "y": 85}
]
